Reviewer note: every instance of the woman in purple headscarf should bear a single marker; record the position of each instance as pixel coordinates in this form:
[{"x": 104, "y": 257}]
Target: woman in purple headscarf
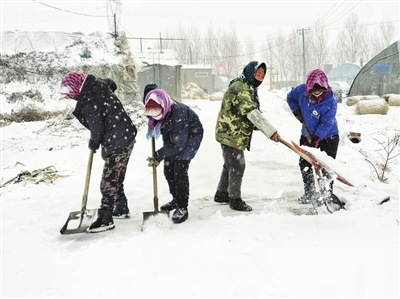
[
  {"x": 182, "y": 133},
  {"x": 314, "y": 105}
]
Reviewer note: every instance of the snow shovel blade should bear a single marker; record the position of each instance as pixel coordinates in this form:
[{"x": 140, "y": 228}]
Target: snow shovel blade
[
  {"x": 155, "y": 218},
  {"x": 84, "y": 219}
]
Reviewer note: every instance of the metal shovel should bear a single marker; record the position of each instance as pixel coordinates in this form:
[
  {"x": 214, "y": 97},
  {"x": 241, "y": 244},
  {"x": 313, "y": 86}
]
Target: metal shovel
[
  {"x": 84, "y": 216},
  {"x": 147, "y": 215}
]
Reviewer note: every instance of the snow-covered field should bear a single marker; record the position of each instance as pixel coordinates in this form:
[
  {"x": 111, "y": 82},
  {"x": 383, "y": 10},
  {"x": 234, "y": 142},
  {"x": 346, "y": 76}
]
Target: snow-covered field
[{"x": 217, "y": 252}]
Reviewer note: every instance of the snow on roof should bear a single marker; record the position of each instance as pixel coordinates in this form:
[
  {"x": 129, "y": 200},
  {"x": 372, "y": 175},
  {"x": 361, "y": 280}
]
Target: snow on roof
[
  {"x": 43, "y": 41},
  {"x": 196, "y": 66}
]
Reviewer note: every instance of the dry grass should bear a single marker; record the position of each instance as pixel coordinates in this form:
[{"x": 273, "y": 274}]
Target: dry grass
[{"x": 28, "y": 114}]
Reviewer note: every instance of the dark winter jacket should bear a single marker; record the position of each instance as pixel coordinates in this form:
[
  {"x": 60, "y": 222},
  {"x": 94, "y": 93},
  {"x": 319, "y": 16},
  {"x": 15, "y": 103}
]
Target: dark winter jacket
[
  {"x": 319, "y": 117},
  {"x": 182, "y": 133},
  {"x": 100, "y": 111}
]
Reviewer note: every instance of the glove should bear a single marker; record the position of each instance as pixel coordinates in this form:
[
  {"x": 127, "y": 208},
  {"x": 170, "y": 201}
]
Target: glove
[
  {"x": 93, "y": 146},
  {"x": 152, "y": 162},
  {"x": 314, "y": 142},
  {"x": 276, "y": 137},
  {"x": 298, "y": 115}
]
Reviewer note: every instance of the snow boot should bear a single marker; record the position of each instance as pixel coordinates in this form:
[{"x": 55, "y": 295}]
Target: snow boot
[
  {"x": 103, "y": 222},
  {"x": 239, "y": 205},
  {"x": 172, "y": 205},
  {"x": 180, "y": 215},
  {"x": 307, "y": 197},
  {"x": 221, "y": 197},
  {"x": 121, "y": 211},
  {"x": 309, "y": 184}
]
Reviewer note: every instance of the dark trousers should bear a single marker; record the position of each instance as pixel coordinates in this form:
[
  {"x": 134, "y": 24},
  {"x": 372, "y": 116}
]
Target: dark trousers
[
  {"x": 176, "y": 174},
  {"x": 232, "y": 171},
  {"x": 112, "y": 181},
  {"x": 330, "y": 147}
]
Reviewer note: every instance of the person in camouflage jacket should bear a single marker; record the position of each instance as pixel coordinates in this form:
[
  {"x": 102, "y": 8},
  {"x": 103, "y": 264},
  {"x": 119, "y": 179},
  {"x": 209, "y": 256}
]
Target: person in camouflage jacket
[{"x": 234, "y": 131}]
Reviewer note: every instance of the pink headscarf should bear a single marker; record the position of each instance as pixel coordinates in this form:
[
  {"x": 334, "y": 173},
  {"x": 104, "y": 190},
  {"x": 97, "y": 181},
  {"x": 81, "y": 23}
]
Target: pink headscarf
[
  {"x": 160, "y": 97},
  {"x": 317, "y": 77},
  {"x": 71, "y": 84}
]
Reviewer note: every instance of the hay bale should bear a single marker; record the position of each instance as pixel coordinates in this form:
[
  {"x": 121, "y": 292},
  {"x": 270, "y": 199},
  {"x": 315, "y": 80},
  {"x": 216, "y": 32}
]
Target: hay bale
[
  {"x": 194, "y": 92},
  {"x": 218, "y": 96},
  {"x": 378, "y": 106},
  {"x": 350, "y": 101},
  {"x": 392, "y": 99}
]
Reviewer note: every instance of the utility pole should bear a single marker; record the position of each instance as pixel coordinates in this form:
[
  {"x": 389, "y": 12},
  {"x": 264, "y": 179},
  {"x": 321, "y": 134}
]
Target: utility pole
[
  {"x": 271, "y": 77},
  {"x": 115, "y": 27},
  {"x": 304, "y": 54},
  {"x": 113, "y": 13}
]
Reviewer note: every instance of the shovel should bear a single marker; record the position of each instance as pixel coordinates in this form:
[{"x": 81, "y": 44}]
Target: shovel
[
  {"x": 147, "y": 215},
  {"x": 84, "y": 216}
]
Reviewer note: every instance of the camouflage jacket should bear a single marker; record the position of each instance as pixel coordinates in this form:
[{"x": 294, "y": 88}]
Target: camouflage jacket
[{"x": 233, "y": 128}]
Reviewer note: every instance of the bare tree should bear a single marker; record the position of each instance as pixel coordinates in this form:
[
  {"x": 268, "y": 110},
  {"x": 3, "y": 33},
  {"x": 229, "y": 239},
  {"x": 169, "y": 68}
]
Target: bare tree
[
  {"x": 279, "y": 62},
  {"x": 210, "y": 47},
  {"x": 249, "y": 48},
  {"x": 318, "y": 40},
  {"x": 180, "y": 47},
  {"x": 196, "y": 52},
  {"x": 351, "y": 41},
  {"x": 231, "y": 53},
  {"x": 384, "y": 36},
  {"x": 294, "y": 57}
]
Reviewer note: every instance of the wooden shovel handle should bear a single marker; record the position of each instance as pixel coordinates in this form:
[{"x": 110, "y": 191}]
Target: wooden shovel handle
[
  {"x": 155, "y": 192},
  {"x": 87, "y": 180},
  {"x": 289, "y": 145}
]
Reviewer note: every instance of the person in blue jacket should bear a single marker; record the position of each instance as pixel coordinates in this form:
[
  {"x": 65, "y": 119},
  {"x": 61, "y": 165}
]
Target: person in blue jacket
[
  {"x": 315, "y": 106},
  {"x": 182, "y": 133}
]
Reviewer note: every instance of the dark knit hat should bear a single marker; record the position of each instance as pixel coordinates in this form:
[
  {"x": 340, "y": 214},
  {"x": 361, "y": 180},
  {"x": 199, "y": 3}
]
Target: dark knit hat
[{"x": 148, "y": 88}]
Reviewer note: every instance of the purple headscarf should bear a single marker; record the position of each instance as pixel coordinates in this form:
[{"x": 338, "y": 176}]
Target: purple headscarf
[{"x": 164, "y": 100}]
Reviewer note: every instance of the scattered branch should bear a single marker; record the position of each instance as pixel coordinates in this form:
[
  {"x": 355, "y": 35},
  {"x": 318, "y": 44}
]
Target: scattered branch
[{"x": 390, "y": 153}]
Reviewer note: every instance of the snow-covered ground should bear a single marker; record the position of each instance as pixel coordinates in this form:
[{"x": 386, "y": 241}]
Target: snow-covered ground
[{"x": 269, "y": 252}]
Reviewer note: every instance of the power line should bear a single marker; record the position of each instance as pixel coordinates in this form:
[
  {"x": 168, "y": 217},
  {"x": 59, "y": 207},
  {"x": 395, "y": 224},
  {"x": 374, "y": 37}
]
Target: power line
[
  {"x": 344, "y": 12},
  {"x": 68, "y": 11}
]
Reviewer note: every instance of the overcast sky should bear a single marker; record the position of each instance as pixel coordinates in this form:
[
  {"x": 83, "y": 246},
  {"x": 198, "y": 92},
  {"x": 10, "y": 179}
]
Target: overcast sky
[{"x": 150, "y": 18}]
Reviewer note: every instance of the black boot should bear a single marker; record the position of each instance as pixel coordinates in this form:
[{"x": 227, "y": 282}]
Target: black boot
[
  {"x": 180, "y": 215},
  {"x": 308, "y": 181},
  {"x": 103, "y": 222},
  {"x": 239, "y": 205},
  {"x": 121, "y": 211},
  {"x": 172, "y": 205},
  {"x": 221, "y": 197}
]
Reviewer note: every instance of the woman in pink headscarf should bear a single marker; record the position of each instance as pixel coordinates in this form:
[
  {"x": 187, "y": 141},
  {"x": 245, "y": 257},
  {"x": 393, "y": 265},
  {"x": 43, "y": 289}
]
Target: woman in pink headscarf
[
  {"x": 99, "y": 110},
  {"x": 314, "y": 105}
]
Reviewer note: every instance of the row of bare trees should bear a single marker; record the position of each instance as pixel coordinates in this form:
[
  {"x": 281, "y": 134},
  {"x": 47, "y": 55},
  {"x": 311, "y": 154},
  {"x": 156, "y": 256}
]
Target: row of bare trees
[{"x": 289, "y": 57}]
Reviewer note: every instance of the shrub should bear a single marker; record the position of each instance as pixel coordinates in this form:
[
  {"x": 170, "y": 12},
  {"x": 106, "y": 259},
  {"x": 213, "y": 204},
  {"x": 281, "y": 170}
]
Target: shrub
[{"x": 28, "y": 114}]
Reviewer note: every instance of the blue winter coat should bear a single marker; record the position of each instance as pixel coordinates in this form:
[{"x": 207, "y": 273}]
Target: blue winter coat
[
  {"x": 320, "y": 118},
  {"x": 182, "y": 133}
]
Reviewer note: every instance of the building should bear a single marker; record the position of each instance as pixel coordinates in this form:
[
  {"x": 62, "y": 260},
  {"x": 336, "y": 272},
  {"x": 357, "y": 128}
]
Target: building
[
  {"x": 345, "y": 72},
  {"x": 381, "y": 75},
  {"x": 202, "y": 75}
]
